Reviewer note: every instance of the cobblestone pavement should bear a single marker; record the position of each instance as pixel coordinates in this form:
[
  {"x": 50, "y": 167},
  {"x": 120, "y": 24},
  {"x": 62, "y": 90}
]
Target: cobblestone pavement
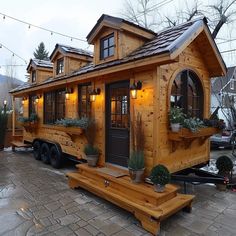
[{"x": 36, "y": 200}]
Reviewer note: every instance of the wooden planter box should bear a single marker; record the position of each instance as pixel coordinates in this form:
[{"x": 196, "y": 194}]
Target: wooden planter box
[
  {"x": 71, "y": 131},
  {"x": 187, "y": 136},
  {"x": 30, "y": 127}
]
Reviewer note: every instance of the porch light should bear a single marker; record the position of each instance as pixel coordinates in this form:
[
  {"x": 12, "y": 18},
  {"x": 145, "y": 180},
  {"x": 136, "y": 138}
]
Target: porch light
[
  {"x": 23, "y": 100},
  {"x": 93, "y": 94},
  {"x": 134, "y": 89},
  {"x": 37, "y": 99},
  {"x": 68, "y": 92},
  {"x": 5, "y": 102}
]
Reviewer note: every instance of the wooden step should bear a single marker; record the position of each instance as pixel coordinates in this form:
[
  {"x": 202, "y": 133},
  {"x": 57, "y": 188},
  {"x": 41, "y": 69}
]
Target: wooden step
[
  {"x": 149, "y": 214},
  {"x": 127, "y": 188},
  {"x": 18, "y": 144}
]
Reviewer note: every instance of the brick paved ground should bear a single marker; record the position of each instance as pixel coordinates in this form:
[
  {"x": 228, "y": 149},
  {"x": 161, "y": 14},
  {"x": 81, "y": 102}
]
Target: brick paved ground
[{"x": 35, "y": 200}]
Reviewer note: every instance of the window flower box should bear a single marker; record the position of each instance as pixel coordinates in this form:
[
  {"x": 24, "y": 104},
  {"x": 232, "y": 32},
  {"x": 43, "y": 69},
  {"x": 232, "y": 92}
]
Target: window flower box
[
  {"x": 187, "y": 136},
  {"x": 30, "y": 127}
]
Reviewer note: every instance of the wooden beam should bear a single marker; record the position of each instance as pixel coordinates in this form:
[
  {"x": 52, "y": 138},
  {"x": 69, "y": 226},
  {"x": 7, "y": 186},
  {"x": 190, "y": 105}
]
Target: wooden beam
[{"x": 13, "y": 116}]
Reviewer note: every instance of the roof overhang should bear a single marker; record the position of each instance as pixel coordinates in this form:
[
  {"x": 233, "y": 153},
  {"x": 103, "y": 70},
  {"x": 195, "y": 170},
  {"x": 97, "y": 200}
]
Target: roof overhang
[
  {"x": 116, "y": 23},
  {"x": 200, "y": 33}
]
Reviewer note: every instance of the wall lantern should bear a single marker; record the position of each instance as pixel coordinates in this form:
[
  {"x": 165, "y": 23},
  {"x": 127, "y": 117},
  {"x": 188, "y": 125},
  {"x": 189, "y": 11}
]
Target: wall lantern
[
  {"x": 23, "y": 100},
  {"x": 94, "y": 93},
  {"x": 134, "y": 89},
  {"x": 37, "y": 98},
  {"x": 68, "y": 92}
]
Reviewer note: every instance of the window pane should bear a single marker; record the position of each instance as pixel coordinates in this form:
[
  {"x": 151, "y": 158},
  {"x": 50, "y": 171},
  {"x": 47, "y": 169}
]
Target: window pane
[
  {"x": 105, "y": 53},
  {"x": 111, "y": 51},
  {"x": 187, "y": 93},
  {"x": 111, "y": 41},
  {"x": 105, "y": 43}
]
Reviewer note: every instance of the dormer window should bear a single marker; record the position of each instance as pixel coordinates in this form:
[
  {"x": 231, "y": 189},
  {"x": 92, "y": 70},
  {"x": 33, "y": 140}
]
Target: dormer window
[
  {"x": 60, "y": 66},
  {"x": 107, "y": 46},
  {"x": 33, "y": 75}
]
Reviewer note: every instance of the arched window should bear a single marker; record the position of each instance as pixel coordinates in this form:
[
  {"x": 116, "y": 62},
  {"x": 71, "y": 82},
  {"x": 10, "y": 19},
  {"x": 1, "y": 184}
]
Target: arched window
[{"x": 187, "y": 93}]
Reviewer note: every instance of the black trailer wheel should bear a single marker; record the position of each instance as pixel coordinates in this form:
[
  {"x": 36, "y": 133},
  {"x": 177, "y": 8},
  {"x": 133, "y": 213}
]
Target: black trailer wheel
[
  {"x": 36, "y": 147},
  {"x": 45, "y": 153},
  {"x": 56, "y": 158}
]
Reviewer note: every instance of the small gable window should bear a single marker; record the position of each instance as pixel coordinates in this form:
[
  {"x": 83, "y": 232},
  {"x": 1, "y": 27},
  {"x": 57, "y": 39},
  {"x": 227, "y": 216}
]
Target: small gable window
[
  {"x": 60, "y": 66},
  {"x": 107, "y": 46},
  {"x": 187, "y": 93},
  {"x": 33, "y": 75}
]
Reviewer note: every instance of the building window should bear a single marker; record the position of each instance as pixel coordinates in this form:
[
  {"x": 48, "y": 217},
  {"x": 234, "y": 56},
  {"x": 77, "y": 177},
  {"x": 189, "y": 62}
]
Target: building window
[
  {"x": 33, "y": 75},
  {"x": 187, "y": 93},
  {"x": 84, "y": 100},
  {"x": 54, "y": 106},
  {"x": 60, "y": 66},
  {"x": 107, "y": 45},
  {"x": 32, "y": 104}
]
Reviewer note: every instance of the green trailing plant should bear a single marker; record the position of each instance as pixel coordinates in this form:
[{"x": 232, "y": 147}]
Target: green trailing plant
[
  {"x": 160, "y": 175},
  {"x": 3, "y": 126},
  {"x": 82, "y": 123},
  {"x": 136, "y": 160},
  {"x": 90, "y": 150},
  {"x": 193, "y": 123},
  {"x": 33, "y": 118},
  {"x": 176, "y": 115},
  {"x": 224, "y": 164}
]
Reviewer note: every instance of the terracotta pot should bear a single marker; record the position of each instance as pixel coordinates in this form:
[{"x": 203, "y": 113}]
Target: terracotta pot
[
  {"x": 92, "y": 160},
  {"x": 159, "y": 188},
  {"x": 175, "y": 127},
  {"x": 136, "y": 175}
]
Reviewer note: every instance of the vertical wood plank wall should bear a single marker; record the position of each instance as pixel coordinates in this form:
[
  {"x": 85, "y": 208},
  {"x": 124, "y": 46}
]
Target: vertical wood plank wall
[{"x": 153, "y": 103}]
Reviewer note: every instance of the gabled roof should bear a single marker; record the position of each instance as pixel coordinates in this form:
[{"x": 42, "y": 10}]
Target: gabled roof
[
  {"x": 65, "y": 49},
  {"x": 222, "y": 84},
  {"x": 39, "y": 63},
  {"x": 164, "y": 48},
  {"x": 118, "y": 23}
]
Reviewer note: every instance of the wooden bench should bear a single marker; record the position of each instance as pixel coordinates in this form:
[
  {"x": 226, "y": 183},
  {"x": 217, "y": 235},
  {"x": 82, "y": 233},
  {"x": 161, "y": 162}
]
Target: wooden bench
[{"x": 147, "y": 205}]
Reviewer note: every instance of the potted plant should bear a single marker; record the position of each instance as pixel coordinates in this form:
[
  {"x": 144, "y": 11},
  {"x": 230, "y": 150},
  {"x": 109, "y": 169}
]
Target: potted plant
[
  {"x": 176, "y": 117},
  {"x": 160, "y": 176},
  {"x": 3, "y": 127},
  {"x": 136, "y": 160},
  {"x": 91, "y": 152},
  {"x": 193, "y": 124},
  {"x": 225, "y": 166}
]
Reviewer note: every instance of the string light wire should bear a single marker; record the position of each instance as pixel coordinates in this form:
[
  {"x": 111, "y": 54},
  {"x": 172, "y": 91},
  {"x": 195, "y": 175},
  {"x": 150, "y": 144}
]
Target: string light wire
[{"x": 42, "y": 28}]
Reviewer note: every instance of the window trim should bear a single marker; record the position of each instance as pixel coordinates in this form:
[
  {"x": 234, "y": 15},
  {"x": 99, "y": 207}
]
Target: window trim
[
  {"x": 102, "y": 48},
  {"x": 54, "y": 105},
  {"x": 33, "y": 76},
  {"x": 186, "y": 75},
  {"x": 88, "y": 103},
  {"x": 60, "y": 62}
]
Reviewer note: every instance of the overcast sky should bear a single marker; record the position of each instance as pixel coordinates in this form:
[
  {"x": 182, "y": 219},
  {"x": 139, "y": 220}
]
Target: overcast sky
[{"x": 72, "y": 17}]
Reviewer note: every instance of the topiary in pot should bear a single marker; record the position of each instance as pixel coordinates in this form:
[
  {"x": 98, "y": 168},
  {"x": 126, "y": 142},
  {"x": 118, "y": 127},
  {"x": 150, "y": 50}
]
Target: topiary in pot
[
  {"x": 91, "y": 153},
  {"x": 160, "y": 176},
  {"x": 225, "y": 166}
]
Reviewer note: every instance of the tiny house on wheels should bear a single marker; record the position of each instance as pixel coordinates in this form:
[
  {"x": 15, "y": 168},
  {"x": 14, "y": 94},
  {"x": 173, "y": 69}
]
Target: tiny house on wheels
[{"x": 132, "y": 71}]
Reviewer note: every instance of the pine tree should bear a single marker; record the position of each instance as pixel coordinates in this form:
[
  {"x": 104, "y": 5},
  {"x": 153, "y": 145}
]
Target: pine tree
[{"x": 40, "y": 52}]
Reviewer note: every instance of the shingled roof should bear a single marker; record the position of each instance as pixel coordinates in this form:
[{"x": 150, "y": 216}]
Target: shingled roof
[
  {"x": 167, "y": 42},
  {"x": 40, "y": 63},
  {"x": 68, "y": 49}
]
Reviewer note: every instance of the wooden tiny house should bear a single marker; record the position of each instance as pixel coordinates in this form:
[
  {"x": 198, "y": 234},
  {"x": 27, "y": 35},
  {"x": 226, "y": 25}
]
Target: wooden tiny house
[{"x": 174, "y": 67}]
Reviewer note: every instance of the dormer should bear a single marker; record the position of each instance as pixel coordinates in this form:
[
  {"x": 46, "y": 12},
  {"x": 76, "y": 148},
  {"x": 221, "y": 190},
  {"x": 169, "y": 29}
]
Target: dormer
[
  {"x": 67, "y": 59},
  {"x": 114, "y": 38},
  {"x": 39, "y": 70}
]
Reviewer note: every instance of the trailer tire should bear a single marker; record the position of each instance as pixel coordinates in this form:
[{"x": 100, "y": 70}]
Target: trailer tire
[
  {"x": 55, "y": 157},
  {"x": 45, "y": 153},
  {"x": 37, "y": 147}
]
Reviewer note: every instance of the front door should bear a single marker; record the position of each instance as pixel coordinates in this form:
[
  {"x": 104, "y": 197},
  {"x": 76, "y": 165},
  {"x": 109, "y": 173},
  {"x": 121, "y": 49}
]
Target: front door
[{"x": 117, "y": 123}]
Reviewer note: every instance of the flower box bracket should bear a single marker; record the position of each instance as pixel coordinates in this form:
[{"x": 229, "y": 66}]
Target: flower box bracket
[{"x": 187, "y": 137}]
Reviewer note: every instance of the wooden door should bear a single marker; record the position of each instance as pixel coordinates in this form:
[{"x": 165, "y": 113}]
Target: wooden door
[{"x": 117, "y": 123}]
